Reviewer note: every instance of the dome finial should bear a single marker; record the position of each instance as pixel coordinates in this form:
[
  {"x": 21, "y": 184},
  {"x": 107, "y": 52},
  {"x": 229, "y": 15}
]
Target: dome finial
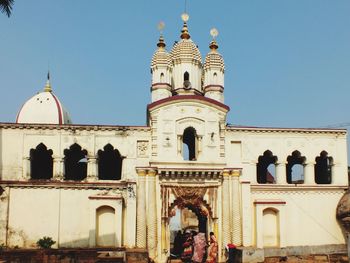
[
  {"x": 184, "y": 31},
  {"x": 161, "y": 42},
  {"x": 47, "y": 87},
  {"x": 213, "y": 44}
]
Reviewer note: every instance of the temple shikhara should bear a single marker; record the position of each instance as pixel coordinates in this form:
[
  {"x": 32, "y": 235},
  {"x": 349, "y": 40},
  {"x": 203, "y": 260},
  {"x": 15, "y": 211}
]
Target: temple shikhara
[{"x": 88, "y": 186}]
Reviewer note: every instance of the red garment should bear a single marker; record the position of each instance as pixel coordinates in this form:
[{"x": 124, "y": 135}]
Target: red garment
[{"x": 212, "y": 250}]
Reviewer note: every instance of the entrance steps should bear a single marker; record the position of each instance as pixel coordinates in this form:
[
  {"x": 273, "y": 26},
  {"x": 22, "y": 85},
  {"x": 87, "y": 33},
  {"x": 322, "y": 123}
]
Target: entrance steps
[{"x": 110, "y": 256}]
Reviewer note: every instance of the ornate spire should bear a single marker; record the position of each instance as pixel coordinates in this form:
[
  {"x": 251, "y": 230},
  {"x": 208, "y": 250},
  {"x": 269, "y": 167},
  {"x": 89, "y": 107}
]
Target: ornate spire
[
  {"x": 184, "y": 31},
  {"x": 213, "y": 44},
  {"x": 47, "y": 87},
  {"x": 161, "y": 42}
]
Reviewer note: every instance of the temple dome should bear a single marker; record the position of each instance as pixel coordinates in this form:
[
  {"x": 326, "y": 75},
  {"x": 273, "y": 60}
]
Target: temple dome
[
  {"x": 214, "y": 59},
  {"x": 186, "y": 50},
  {"x": 44, "y": 108},
  {"x": 161, "y": 56}
]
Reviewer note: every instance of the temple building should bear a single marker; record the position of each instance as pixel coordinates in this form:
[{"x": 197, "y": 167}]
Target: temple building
[{"x": 89, "y": 186}]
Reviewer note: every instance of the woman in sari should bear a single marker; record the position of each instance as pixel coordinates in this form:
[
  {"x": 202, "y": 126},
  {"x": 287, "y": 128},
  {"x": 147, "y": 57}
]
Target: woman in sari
[
  {"x": 213, "y": 249},
  {"x": 199, "y": 247}
]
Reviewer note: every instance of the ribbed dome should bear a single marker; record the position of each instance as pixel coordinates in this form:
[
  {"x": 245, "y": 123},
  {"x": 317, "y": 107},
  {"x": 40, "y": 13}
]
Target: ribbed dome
[
  {"x": 161, "y": 57},
  {"x": 214, "y": 60},
  {"x": 44, "y": 108},
  {"x": 185, "y": 49}
]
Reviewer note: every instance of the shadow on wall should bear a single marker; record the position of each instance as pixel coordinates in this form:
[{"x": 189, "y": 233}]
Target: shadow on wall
[{"x": 101, "y": 241}]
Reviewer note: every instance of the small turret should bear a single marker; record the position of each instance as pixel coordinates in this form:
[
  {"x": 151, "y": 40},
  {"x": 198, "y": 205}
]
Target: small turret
[
  {"x": 213, "y": 71},
  {"x": 161, "y": 70}
]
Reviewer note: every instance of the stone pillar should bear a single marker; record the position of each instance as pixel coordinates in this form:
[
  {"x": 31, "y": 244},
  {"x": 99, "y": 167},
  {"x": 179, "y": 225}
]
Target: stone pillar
[
  {"x": 26, "y": 168},
  {"x": 226, "y": 231},
  {"x": 58, "y": 168},
  {"x": 281, "y": 173},
  {"x": 236, "y": 209},
  {"x": 309, "y": 173},
  {"x": 141, "y": 225},
  {"x": 92, "y": 169},
  {"x": 152, "y": 214}
]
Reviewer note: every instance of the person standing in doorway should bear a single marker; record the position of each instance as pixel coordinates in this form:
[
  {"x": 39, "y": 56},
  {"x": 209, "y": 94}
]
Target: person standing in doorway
[
  {"x": 199, "y": 248},
  {"x": 213, "y": 249}
]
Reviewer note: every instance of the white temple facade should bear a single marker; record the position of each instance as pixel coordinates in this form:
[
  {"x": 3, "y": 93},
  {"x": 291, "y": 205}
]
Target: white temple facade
[{"x": 119, "y": 186}]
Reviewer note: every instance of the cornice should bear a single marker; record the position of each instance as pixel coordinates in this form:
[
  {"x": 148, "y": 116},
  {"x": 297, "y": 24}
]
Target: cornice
[
  {"x": 72, "y": 127},
  {"x": 286, "y": 130},
  {"x": 268, "y": 188},
  {"x": 66, "y": 184},
  {"x": 184, "y": 98}
]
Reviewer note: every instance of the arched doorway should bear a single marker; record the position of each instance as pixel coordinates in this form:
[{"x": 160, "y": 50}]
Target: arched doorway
[
  {"x": 190, "y": 217},
  {"x": 195, "y": 206}
]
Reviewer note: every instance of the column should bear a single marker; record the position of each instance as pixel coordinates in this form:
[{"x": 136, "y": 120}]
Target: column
[
  {"x": 152, "y": 214},
  {"x": 57, "y": 168},
  {"x": 226, "y": 233},
  {"x": 92, "y": 169},
  {"x": 26, "y": 168},
  {"x": 281, "y": 173},
  {"x": 236, "y": 209},
  {"x": 309, "y": 173},
  {"x": 246, "y": 214},
  {"x": 141, "y": 210}
]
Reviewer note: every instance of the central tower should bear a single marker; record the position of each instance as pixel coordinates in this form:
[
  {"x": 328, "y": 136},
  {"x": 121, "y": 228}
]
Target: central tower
[{"x": 181, "y": 71}]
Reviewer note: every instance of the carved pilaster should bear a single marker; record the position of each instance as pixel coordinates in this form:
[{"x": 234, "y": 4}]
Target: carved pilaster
[
  {"x": 58, "y": 168},
  {"x": 236, "y": 209},
  {"x": 152, "y": 215},
  {"x": 226, "y": 233},
  {"x": 281, "y": 173},
  {"x": 309, "y": 173},
  {"x": 92, "y": 171},
  {"x": 141, "y": 210}
]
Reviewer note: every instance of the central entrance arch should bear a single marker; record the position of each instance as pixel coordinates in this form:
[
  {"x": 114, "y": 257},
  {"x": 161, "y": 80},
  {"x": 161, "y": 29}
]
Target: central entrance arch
[{"x": 192, "y": 201}]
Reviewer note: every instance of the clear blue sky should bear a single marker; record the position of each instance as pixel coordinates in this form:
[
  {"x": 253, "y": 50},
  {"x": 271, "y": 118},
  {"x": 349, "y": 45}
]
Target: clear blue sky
[{"x": 287, "y": 61}]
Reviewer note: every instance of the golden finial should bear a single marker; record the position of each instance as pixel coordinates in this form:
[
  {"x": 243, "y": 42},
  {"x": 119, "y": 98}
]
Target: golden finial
[
  {"x": 161, "y": 42},
  {"x": 184, "y": 32},
  {"x": 47, "y": 87},
  {"x": 213, "y": 44}
]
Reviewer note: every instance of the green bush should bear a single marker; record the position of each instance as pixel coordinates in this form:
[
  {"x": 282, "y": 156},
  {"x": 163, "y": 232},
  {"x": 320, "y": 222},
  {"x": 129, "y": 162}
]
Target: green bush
[{"x": 45, "y": 242}]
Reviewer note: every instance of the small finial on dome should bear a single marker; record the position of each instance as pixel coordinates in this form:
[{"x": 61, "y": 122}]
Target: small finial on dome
[
  {"x": 184, "y": 32},
  {"x": 213, "y": 44},
  {"x": 161, "y": 42},
  {"x": 47, "y": 87}
]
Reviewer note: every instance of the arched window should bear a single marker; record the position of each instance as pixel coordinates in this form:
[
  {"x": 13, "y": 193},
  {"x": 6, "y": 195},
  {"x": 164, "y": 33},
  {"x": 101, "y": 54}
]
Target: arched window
[
  {"x": 162, "y": 77},
  {"x": 295, "y": 168},
  {"x": 323, "y": 169},
  {"x": 187, "y": 83},
  {"x": 109, "y": 163},
  {"x": 266, "y": 168},
  {"x": 75, "y": 163},
  {"x": 186, "y": 76},
  {"x": 189, "y": 144},
  {"x": 215, "y": 78},
  {"x": 41, "y": 163}
]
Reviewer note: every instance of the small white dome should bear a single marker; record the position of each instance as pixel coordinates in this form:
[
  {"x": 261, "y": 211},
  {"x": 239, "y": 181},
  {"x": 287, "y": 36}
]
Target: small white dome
[{"x": 45, "y": 108}]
